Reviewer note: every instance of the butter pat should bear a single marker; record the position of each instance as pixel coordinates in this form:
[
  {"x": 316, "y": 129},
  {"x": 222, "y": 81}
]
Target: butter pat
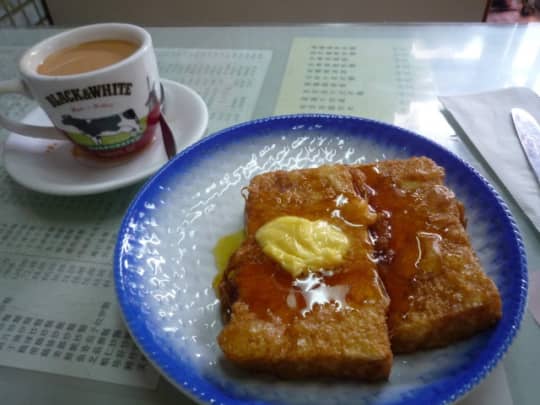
[{"x": 300, "y": 245}]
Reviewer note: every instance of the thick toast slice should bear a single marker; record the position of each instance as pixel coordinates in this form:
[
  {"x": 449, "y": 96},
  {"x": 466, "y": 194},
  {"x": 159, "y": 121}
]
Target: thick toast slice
[
  {"x": 322, "y": 324},
  {"x": 438, "y": 290}
]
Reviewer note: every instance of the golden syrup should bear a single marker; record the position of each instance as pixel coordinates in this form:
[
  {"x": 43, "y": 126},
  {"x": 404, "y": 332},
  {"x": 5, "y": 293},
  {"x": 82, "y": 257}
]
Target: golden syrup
[
  {"x": 429, "y": 259},
  {"x": 223, "y": 251},
  {"x": 396, "y": 250},
  {"x": 331, "y": 194},
  {"x": 270, "y": 291},
  {"x": 408, "y": 246}
]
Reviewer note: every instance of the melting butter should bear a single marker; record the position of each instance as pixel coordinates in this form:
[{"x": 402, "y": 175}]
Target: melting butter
[{"x": 300, "y": 245}]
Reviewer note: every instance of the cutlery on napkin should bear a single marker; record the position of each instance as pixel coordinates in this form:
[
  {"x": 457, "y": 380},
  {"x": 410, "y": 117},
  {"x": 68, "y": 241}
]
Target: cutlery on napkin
[
  {"x": 528, "y": 131},
  {"x": 485, "y": 119}
]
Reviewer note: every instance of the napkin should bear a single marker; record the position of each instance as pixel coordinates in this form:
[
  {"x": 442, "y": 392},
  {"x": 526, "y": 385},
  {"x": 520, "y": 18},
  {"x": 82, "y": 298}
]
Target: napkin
[{"x": 485, "y": 119}]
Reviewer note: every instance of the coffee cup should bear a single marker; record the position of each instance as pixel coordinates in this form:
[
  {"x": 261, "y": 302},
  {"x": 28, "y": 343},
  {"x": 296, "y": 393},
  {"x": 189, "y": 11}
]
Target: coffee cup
[{"x": 98, "y": 84}]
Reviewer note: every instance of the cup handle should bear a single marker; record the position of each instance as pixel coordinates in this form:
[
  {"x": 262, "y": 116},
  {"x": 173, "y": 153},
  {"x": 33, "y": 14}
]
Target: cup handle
[{"x": 33, "y": 131}]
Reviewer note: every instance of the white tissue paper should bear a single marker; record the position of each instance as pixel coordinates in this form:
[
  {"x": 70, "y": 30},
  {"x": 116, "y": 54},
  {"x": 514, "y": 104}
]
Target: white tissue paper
[{"x": 485, "y": 119}]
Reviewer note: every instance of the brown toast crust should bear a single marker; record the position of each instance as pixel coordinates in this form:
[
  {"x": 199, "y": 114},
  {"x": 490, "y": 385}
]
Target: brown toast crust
[
  {"x": 416, "y": 253},
  {"x": 438, "y": 291},
  {"x": 277, "y": 327},
  {"x": 325, "y": 343}
]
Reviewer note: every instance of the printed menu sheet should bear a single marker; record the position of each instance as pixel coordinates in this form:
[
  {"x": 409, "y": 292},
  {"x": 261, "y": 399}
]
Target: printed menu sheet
[
  {"x": 229, "y": 81},
  {"x": 373, "y": 78},
  {"x": 58, "y": 310}
]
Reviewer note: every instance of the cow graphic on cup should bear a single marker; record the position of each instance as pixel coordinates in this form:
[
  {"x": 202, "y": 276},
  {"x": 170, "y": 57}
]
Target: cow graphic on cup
[
  {"x": 124, "y": 124},
  {"x": 97, "y": 128}
]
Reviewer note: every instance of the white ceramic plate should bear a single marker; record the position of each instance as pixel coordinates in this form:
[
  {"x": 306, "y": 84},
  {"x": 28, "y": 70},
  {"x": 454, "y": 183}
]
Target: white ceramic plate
[{"x": 51, "y": 166}]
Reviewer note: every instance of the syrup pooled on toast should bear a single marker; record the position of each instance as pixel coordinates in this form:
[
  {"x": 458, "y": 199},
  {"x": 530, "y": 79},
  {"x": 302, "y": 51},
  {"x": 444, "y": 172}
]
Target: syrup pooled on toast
[
  {"x": 270, "y": 291},
  {"x": 402, "y": 227}
]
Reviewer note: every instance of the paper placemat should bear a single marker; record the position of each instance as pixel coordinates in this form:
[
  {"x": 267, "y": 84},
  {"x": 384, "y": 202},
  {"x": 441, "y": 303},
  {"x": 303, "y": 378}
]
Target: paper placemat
[
  {"x": 373, "y": 78},
  {"x": 58, "y": 311}
]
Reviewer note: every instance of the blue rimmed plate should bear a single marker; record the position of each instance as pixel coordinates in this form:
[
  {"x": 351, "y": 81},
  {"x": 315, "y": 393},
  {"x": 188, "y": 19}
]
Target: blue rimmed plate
[{"x": 164, "y": 265}]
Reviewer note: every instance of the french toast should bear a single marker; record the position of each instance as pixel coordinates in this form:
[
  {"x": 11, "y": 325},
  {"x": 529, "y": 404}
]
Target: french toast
[
  {"x": 410, "y": 279},
  {"x": 329, "y": 323},
  {"x": 438, "y": 291}
]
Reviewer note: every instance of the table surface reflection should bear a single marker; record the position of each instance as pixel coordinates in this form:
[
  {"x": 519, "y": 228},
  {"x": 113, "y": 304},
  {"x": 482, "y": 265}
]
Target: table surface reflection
[{"x": 462, "y": 58}]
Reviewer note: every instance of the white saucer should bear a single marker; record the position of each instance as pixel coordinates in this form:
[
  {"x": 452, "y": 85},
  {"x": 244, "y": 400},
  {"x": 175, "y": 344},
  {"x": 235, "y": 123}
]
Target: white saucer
[{"x": 51, "y": 166}]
